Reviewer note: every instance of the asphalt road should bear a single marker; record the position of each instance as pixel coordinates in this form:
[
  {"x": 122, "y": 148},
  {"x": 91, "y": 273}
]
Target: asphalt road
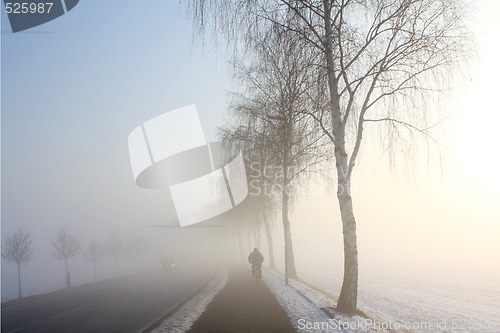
[{"x": 128, "y": 304}]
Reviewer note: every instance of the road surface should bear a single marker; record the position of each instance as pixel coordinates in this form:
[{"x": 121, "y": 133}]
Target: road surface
[{"x": 128, "y": 304}]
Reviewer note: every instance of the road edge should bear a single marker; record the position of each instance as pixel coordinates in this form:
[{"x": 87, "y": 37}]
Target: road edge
[{"x": 157, "y": 324}]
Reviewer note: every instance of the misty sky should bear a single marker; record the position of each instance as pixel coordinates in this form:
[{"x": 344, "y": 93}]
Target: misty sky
[
  {"x": 72, "y": 91},
  {"x": 74, "y": 88}
]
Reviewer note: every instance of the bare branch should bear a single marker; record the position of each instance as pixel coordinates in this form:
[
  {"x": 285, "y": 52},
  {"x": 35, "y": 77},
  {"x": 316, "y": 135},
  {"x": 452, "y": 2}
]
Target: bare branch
[
  {"x": 18, "y": 247},
  {"x": 66, "y": 245},
  {"x": 424, "y": 131}
]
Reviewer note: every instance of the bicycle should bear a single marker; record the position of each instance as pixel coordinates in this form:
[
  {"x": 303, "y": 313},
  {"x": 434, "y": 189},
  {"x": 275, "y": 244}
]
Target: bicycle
[{"x": 257, "y": 273}]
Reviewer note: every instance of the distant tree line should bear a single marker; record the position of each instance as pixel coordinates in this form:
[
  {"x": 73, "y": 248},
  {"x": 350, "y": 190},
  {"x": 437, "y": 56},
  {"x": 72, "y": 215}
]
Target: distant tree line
[{"x": 18, "y": 248}]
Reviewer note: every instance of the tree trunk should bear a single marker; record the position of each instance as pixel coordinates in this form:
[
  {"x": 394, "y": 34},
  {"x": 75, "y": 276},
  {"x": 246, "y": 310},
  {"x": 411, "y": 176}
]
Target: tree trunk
[
  {"x": 240, "y": 242},
  {"x": 349, "y": 293},
  {"x": 290, "y": 271},
  {"x": 269, "y": 239},
  {"x": 234, "y": 242},
  {"x": 68, "y": 278},
  {"x": 19, "y": 280},
  {"x": 257, "y": 236},
  {"x": 249, "y": 241},
  {"x": 94, "y": 272}
]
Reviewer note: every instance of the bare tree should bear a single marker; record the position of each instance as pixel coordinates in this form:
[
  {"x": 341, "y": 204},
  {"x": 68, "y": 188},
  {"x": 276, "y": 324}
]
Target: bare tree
[
  {"x": 130, "y": 248},
  {"x": 115, "y": 247},
  {"x": 95, "y": 252},
  {"x": 18, "y": 249},
  {"x": 382, "y": 59},
  {"x": 236, "y": 229},
  {"x": 66, "y": 246},
  {"x": 273, "y": 127},
  {"x": 261, "y": 198}
]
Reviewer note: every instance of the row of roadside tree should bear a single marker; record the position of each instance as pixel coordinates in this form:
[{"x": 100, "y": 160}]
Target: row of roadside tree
[
  {"x": 320, "y": 79},
  {"x": 18, "y": 248}
]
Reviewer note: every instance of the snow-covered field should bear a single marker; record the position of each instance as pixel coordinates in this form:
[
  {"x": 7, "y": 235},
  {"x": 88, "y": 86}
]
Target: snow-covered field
[
  {"x": 416, "y": 305},
  {"x": 447, "y": 307}
]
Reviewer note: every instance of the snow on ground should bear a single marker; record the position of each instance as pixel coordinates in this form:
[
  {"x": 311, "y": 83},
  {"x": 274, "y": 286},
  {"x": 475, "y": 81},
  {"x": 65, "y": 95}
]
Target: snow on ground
[
  {"x": 439, "y": 306},
  {"x": 393, "y": 305},
  {"x": 304, "y": 304},
  {"x": 183, "y": 318},
  {"x": 416, "y": 305}
]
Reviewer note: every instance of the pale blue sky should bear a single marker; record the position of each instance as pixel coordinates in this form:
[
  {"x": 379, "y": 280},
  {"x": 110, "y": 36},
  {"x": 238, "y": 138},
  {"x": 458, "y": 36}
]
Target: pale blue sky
[
  {"x": 72, "y": 91},
  {"x": 74, "y": 88}
]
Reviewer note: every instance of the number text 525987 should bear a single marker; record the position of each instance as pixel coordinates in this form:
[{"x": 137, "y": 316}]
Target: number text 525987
[{"x": 28, "y": 8}]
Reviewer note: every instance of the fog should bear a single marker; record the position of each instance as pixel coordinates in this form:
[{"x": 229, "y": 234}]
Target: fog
[
  {"x": 65, "y": 164},
  {"x": 190, "y": 249}
]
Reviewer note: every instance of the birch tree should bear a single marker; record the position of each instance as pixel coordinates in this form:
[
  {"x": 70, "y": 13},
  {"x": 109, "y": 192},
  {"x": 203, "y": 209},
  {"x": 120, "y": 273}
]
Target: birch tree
[
  {"x": 272, "y": 121},
  {"x": 66, "y": 246},
  {"x": 130, "y": 248},
  {"x": 95, "y": 252},
  {"x": 382, "y": 59},
  {"x": 18, "y": 248},
  {"x": 256, "y": 153},
  {"x": 115, "y": 247}
]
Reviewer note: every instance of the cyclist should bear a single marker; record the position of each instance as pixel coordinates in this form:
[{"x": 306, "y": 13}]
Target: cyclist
[{"x": 256, "y": 259}]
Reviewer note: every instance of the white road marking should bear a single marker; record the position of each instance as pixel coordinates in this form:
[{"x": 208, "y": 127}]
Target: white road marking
[
  {"x": 67, "y": 313},
  {"x": 18, "y": 330}
]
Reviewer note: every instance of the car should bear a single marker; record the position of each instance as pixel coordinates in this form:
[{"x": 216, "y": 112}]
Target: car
[{"x": 167, "y": 263}]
